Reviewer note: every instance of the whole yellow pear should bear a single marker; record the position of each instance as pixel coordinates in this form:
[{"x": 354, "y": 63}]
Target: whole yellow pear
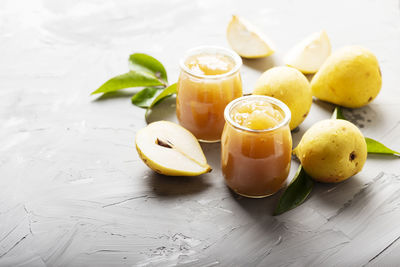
[
  {"x": 291, "y": 87},
  {"x": 350, "y": 77},
  {"x": 332, "y": 151}
]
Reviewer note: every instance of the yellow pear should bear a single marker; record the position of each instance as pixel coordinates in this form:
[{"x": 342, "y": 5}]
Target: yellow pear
[
  {"x": 332, "y": 150},
  {"x": 291, "y": 87},
  {"x": 170, "y": 149},
  {"x": 350, "y": 77}
]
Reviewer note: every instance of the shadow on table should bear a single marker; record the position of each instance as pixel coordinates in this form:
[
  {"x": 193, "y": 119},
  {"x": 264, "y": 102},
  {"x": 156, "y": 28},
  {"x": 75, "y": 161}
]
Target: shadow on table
[
  {"x": 299, "y": 131},
  {"x": 165, "y": 110},
  {"x": 369, "y": 116},
  {"x": 116, "y": 94},
  {"x": 212, "y": 151},
  {"x": 383, "y": 156},
  {"x": 174, "y": 186},
  {"x": 260, "y": 64},
  {"x": 338, "y": 196},
  {"x": 326, "y": 106},
  {"x": 257, "y": 208},
  {"x": 331, "y": 199}
]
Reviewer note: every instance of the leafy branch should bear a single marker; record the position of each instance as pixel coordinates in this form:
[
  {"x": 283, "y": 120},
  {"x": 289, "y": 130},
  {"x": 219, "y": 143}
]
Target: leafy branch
[{"x": 145, "y": 71}]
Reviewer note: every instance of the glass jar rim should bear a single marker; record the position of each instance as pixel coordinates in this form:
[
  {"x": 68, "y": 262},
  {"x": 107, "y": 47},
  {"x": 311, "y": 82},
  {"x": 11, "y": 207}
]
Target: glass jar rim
[
  {"x": 211, "y": 49},
  {"x": 271, "y": 100}
]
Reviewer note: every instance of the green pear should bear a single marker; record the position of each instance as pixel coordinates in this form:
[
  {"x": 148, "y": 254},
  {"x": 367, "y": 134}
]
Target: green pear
[{"x": 350, "y": 77}]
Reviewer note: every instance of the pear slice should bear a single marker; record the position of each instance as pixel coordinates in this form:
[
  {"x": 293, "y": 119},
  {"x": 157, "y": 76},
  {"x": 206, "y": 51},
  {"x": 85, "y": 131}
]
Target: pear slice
[
  {"x": 308, "y": 55},
  {"x": 170, "y": 149},
  {"x": 247, "y": 40}
]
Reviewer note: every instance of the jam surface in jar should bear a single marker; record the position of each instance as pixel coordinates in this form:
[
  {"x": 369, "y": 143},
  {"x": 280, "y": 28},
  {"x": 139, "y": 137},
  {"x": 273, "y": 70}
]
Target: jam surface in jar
[{"x": 209, "y": 64}]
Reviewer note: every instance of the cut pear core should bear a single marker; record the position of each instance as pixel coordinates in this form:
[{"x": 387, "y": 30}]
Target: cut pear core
[{"x": 170, "y": 149}]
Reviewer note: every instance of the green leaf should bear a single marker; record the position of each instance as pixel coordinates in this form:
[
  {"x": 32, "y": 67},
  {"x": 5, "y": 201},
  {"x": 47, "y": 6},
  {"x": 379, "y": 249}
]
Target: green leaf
[
  {"x": 145, "y": 97},
  {"x": 296, "y": 192},
  {"x": 338, "y": 114},
  {"x": 375, "y": 147},
  {"x": 170, "y": 90},
  {"x": 145, "y": 63},
  {"x": 130, "y": 79}
]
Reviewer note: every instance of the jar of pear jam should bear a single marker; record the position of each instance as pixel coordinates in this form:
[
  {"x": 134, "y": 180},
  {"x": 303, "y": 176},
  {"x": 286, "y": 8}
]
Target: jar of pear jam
[
  {"x": 208, "y": 81},
  {"x": 256, "y": 145}
]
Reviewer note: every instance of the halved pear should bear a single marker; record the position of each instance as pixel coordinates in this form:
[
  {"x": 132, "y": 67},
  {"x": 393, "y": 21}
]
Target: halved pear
[
  {"x": 308, "y": 55},
  {"x": 170, "y": 149},
  {"x": 247, "y": 40}
]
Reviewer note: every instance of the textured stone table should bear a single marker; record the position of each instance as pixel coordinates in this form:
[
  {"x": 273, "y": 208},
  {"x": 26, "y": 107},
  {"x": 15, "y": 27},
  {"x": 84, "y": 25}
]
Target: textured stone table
[{"x": 73, "y": 191}]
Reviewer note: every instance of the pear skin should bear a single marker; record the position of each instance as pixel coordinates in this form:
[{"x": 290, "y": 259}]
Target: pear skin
[
  {"x": 291, "y": 87},
  {"x": 332, "y": 151},
  {"x": 350, "y": 77}
]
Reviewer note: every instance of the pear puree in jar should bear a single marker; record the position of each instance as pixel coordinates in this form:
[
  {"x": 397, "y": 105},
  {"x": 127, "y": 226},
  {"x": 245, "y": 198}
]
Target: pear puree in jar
[
  {"x": 208, "y": 64},
  {"x": 205, "y": 87},
  {"x": 256, "y": 153}
]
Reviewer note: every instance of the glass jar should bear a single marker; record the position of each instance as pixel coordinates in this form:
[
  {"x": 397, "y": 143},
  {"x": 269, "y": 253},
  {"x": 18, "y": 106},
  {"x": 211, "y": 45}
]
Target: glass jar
[
  {"x": 208, "y": 81},
  {"x": 256, "y": 163}
]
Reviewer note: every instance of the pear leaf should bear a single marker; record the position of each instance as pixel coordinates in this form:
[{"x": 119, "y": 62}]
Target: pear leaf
[
  {"x": 170, "y": 90},
  {"x": 127, "y": 80},
  {"x": 375, "y": 147},
  {"x": 145, "y": 97},
  {"x": 338, "y": 114},
  {"x": 148, "y": 64},
  {"x": 296, "y": 193}
]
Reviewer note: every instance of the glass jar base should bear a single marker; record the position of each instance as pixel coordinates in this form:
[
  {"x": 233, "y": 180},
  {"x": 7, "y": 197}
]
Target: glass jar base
[
  {"x": 249, "y": 196},
  {"x": 209, "y": 141}
]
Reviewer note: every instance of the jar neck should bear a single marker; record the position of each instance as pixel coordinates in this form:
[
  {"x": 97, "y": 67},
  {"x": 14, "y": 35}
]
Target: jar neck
[{"x": 236, "y": 59}]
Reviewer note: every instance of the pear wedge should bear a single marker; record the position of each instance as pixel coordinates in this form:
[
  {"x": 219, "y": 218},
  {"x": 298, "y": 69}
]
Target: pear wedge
[
  {"x": 246, "y": 40},
  {"x": 170, "y": 149},
  {"x": 308, "y": 55}
]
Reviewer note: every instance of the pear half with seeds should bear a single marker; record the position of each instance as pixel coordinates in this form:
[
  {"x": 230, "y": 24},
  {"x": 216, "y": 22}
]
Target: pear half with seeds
[
  {"x": 308, "y": 55},
  {"x": 247, "y": 40},
  {"x": 170, "y": 149}
]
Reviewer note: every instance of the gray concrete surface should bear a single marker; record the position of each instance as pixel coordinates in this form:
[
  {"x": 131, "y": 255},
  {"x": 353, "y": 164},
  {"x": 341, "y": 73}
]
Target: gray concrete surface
[{"x": 73, "y": 191}]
